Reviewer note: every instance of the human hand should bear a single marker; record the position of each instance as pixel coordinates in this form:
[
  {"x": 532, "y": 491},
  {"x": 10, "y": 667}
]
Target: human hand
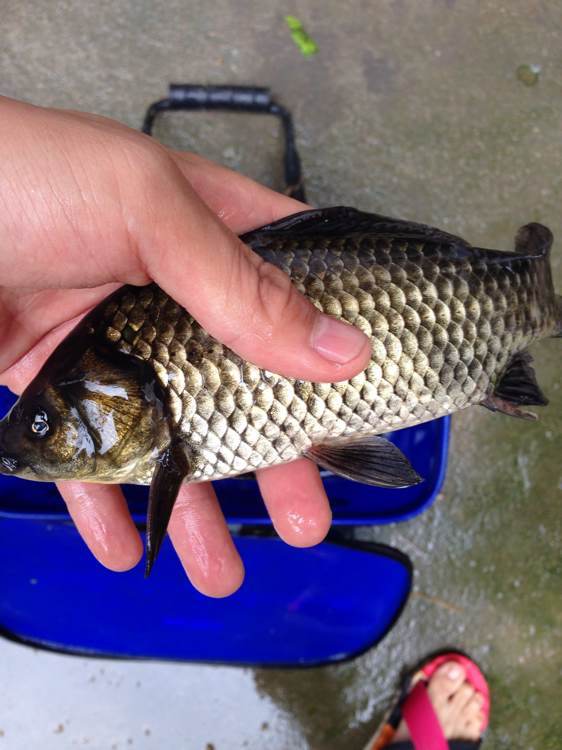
[{"x": 86, "y": 205}]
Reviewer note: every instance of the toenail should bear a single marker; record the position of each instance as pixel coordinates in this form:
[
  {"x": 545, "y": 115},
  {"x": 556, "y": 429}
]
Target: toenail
[
  {"x": 479, "y": 698},
  {"x": 454, "y": 672}
]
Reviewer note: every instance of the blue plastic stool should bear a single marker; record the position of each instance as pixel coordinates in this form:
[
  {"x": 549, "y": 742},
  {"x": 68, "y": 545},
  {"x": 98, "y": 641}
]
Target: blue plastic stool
[{"x": 297, "y": 607}]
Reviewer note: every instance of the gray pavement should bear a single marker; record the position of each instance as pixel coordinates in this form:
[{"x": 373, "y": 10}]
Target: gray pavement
[{"x": 421, "y": 110}]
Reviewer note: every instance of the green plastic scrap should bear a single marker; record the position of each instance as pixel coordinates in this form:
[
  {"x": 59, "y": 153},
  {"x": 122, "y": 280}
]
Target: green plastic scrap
[{"x": 304, "y": 42}]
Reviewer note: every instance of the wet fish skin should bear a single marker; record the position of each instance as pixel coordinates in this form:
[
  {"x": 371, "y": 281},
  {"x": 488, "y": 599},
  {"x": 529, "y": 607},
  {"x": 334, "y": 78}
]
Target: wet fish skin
[
  {"x": 140, "y": 392},
  {"x": 444, "y": 318}
]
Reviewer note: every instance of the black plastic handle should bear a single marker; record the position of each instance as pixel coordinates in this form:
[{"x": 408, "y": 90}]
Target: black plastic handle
[
  {"x": 242, "y": 98},
  {"x": 255, "y": 99}
]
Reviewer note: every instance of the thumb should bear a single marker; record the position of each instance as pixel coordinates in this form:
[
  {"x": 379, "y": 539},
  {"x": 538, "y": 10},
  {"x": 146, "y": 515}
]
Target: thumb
[{"x": 246, "y": 303}]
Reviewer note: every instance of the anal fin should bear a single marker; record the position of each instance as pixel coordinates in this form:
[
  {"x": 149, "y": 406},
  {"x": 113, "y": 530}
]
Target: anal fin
[
  {"x": 516, "y": 387},
  {"x": 495, "y": 403},
  {"x": 369, "y": 459},
  {"x": 172, "y": 468}
]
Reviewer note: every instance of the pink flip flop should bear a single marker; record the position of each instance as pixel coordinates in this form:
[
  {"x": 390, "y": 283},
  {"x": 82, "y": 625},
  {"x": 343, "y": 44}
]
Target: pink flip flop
[{"x": 414, "y": 706}]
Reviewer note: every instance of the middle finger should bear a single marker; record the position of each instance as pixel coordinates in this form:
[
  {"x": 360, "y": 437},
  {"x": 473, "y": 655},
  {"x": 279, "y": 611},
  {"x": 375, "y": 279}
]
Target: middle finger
[{"x": 296, "y": 501}]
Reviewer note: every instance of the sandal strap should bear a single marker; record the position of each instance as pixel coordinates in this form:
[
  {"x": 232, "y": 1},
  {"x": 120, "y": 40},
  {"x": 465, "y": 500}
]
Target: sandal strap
[
  {"x": 421, "y": 720},
  {"x": 453, "y": 745}
]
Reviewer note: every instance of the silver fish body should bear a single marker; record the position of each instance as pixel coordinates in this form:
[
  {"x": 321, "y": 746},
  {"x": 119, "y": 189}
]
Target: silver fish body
[
  {"x": 140, "y": 392},
  {"x": 444, "y": 319}
]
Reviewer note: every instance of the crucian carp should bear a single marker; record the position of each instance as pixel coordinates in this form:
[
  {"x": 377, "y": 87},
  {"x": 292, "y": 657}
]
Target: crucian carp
[{"x": 140, "y": 393}]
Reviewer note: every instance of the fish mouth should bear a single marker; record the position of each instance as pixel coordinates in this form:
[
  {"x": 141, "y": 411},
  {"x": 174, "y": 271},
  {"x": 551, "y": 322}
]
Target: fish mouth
[
  {"x": 12, "y": 466},
  {"x": 9, "y": 464}
]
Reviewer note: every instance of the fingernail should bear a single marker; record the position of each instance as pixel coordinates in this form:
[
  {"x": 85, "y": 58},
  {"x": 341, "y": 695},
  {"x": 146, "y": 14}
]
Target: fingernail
[
  {"x": 454, "y": 672},
  {"x": 336, "y": 341}
]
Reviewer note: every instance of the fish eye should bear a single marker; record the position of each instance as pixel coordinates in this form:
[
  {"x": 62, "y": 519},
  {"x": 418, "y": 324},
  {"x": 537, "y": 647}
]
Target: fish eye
[{"x": 40, "y": 424}]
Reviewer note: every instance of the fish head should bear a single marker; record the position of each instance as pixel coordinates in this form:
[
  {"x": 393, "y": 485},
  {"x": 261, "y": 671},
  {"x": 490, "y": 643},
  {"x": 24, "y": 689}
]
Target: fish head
[
  {"x": 45, "y": 438},
  {"x": 95, "y": 418}
]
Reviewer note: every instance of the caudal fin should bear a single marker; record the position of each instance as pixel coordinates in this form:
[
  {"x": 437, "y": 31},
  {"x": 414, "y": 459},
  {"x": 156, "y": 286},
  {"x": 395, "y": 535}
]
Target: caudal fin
[{"x": 558, "y": 301}]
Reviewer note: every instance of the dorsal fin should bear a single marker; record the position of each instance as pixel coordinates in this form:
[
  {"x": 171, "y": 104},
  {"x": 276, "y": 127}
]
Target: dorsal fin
[
  {"x": 516, "y": 387},
  {"x": 339, "y": 220},
  {"x": 533, "y": 240}
]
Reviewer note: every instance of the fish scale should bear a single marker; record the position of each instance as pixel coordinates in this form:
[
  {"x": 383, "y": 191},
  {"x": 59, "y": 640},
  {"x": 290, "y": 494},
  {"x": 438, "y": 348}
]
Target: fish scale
[
  {"x": 140, "y": 392},
  {"x": 443, "y": 321}
]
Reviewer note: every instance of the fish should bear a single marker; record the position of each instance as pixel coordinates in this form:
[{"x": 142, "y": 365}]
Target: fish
[{"x": 140, "y": 393}]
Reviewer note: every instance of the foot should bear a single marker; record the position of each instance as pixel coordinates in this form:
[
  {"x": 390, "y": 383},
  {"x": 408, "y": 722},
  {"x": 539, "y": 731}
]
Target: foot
[{"x": 457, "y": 705}]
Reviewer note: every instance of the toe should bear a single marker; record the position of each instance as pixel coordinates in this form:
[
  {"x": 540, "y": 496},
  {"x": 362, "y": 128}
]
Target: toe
[
  {"x": 445, "y": 682},
  {"x": 462, "y": 697},
  {"x": 472, "y": 728},
  {"x": 474, "y": 706},
  {"x": 457, "y": 705}
]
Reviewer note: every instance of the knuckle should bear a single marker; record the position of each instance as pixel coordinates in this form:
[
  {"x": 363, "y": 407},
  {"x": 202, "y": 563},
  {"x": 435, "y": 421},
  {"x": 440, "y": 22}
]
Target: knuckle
[
  {"x": 279, "y": 303},
  {"x": 148, "y": 188},
  {"x": 152, "y": 165},
  {"x": 143, "y": 164},
  {"x": 262, "y": 301},
  {"x": 274, "y": 290}
]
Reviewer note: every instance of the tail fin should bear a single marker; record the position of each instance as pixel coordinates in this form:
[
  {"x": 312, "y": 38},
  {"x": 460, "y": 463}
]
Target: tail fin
[
  {"x": 558, "y": 304},
  {"x": 533, "y": 239}
]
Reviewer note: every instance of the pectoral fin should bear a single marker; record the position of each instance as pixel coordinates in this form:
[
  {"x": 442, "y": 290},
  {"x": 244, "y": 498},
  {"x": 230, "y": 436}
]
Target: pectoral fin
[
  {"x": 172, "y": 468},
  {"x": 371, "y": 460},
  {"x": 516, "y": 387}
]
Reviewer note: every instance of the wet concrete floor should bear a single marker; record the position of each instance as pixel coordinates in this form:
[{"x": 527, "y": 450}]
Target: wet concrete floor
[{"x": 442, "y": 112}]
